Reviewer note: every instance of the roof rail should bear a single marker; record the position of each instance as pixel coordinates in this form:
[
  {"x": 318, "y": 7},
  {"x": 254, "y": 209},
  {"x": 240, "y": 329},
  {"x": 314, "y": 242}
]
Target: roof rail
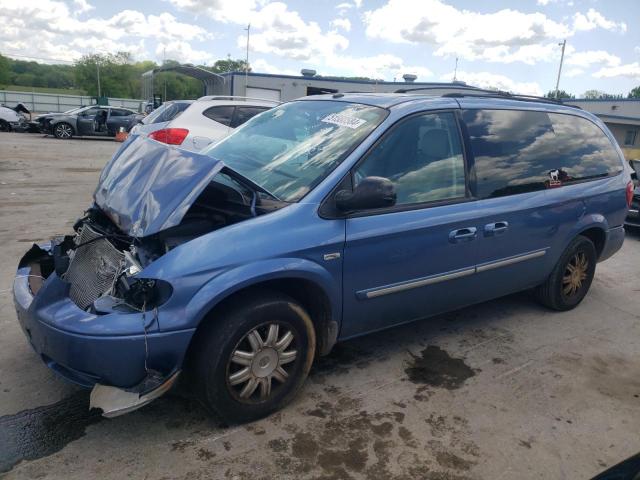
[
  {"x": 462, "y": 91},
  {"x": 510, "y": 96},
  {"x": 237, "y": 97},
  {"x": 439, "y": 87}
]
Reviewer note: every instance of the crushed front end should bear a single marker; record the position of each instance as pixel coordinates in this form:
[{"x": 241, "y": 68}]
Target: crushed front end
[{"x": 93, "y": 321}]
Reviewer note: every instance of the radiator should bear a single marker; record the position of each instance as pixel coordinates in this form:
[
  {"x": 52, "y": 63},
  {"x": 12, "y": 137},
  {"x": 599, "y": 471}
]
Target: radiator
[{"x": 92, "y": 271}]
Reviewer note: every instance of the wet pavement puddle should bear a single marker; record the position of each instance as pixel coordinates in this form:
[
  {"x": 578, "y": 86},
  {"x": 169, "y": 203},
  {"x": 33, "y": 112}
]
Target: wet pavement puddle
[{"x": 41, "y": 431}]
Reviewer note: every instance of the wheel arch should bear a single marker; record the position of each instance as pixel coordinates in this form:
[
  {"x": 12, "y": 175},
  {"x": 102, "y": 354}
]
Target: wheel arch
[
  {"x": 314, "y": 291},
  {"x": 593, "y": 226},
  {"x": 53, "y": 124}
]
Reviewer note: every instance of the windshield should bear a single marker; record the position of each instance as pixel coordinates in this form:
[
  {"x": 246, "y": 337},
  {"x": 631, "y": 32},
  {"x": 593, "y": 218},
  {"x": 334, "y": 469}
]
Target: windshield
[
  {"x": 288, "y": 150},
  {"x": 73, "y": 110}
]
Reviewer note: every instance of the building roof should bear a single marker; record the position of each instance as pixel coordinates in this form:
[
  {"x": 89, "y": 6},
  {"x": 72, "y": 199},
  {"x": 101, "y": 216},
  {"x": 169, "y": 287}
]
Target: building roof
[{"x": 344, "y": 80}]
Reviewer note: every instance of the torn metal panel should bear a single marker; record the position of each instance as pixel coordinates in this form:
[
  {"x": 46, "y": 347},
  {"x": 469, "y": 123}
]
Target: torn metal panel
[
  {"x": 115, "y": 401},
  {"x": 149, "y": 186}
]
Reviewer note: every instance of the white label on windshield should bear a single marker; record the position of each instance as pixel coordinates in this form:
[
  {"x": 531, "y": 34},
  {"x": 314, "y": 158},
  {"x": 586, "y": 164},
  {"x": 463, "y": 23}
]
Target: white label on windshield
[{"x": 343, "y": 120}]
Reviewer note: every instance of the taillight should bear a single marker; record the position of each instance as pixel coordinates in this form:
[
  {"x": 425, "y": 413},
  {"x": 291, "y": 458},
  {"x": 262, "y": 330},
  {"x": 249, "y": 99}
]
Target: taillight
[
  {"x": 171, "y": 136},
  {"x": 629, "y": 194}
]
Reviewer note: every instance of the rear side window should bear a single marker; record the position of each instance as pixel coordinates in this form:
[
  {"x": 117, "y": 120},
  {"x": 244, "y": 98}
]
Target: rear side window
[
  {"x": 173, "y": 111},
  {"x": 522, "y": 151},
  {"x": 221, "y": 114},
  {"x": 245, "y": 113},
  {"x": 115, "y": 112}
]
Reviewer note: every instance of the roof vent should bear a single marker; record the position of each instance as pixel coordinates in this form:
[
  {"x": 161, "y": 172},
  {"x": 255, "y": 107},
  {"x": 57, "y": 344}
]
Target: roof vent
[
  {"x": 409, "y": 77},
  {"x": 307, "y": 72}
]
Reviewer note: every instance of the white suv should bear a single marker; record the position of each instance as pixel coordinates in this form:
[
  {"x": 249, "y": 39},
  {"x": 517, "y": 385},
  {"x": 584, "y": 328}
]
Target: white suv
[{"x": 208, "y": 120}]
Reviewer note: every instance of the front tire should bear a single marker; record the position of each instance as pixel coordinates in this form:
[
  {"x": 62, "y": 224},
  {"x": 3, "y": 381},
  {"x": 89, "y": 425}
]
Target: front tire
[
  {"x": 5, "y": 126},
  {"x": 63, "y": 131},
  {"x": 254, "y": 357},
  {"x": 571, "y": 278}
]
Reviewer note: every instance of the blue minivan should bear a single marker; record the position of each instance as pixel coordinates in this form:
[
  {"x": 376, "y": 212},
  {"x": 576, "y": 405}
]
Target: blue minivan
[{"x": 317, "y": 221}]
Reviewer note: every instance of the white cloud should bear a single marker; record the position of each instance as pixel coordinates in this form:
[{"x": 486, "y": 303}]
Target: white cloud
[
  {"x": 342, "y": 23},
  {"x": 283, "y": 32},
  {"x": 630, "y": 70},
  {"x": 234, "y": 11},
  {"x": 504, "y": 36},
  {"x": 382, "y": 66},
  {"x": 594, "y": 19},
  {"x": 574, "y": 72},
  {"x": 183, "y": 52},
  {"x": 592, "y": 57},
  {"x": 357, "y": 3},
  {"x": 344, "y": 7},
  {"x": 63, "y": 36},
  {"x": 262, "y": 66},
  {"x": 495, "y": 81},
  {"x": 82, "y": 6}
]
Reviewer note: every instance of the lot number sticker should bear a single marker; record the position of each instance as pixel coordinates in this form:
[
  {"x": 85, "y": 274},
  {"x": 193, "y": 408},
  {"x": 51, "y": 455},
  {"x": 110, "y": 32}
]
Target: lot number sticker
[{"x": 343, "y": 120}]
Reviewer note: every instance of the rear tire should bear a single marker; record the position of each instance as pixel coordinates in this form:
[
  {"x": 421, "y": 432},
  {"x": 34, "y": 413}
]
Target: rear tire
[
  {"x": 571, "y": 278},
  {"x": 254, "y": 357},
  {"x": 63, "y": 131},
  {"x": 5, "y": 126}
]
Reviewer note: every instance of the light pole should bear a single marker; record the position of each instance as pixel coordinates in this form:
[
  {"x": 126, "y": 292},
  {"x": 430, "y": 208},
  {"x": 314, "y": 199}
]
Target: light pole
[
  {"x": 246, "y": 62},
  {"x": 564, "y": 44},
  {"x": 98, "y": 70}
]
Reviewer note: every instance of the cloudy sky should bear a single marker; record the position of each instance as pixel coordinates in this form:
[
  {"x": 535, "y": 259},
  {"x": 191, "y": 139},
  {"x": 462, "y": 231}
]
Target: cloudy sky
[{"x": 505, "y": 44}]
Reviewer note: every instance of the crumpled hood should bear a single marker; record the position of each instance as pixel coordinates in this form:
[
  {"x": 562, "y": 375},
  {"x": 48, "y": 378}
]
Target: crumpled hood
[{"x": 149, "y": 186}]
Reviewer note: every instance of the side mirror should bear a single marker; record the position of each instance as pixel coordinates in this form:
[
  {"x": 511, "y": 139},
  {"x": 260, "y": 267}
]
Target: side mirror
[{"x": 371, "y": 192}]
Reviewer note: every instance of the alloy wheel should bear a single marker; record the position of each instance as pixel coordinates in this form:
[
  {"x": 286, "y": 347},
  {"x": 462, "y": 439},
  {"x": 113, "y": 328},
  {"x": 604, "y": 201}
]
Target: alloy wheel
[
  {"x": 261, "y": 362},
  {"x": 64, "y": 131},
  {"x": 575, "y": 274}
]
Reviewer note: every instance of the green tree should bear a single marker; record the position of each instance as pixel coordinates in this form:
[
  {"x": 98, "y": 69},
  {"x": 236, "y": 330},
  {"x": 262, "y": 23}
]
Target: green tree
[
  {"x": 600, "y": 95},
  {"x": 561, "y": 94},
  {"x": 228, "y": 65},
  {"x": 635, "y": 93}
]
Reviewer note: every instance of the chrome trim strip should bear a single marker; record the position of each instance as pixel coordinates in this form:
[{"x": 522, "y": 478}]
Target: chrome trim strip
[
  {"x": 635, "y": 212},
  {"x": 510, "y": 261},
  {"x": 421, "y": 282},
  {"x": 443, "y": 277}
]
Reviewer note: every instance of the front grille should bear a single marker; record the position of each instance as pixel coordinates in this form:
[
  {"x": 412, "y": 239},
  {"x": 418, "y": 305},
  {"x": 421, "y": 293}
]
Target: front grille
[{"x": 93, "y": 268}]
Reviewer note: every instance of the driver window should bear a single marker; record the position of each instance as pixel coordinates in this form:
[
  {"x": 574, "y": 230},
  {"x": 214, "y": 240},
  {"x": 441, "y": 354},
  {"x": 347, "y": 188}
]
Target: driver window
[{"x": 422, "y": 156}]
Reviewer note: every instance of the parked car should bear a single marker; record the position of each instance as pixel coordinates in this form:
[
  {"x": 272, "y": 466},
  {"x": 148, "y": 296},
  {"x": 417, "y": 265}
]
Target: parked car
[
  {"x": 633, "y": 218},
  {"x": 207, "y": 120},
  {"x": 13, "y": 118},
  {"x": 318, "y": 221},
  {"x": 160, "y": 117},
  {"x": 92, "y": 120}
]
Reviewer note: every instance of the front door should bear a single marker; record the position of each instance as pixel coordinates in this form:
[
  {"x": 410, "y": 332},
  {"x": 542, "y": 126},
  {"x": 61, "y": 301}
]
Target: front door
[
  {"x": 418, "y": 257},
  {"x": 86, "y": 121}
]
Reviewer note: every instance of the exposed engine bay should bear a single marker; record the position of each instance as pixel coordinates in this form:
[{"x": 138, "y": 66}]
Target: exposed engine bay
[{"x": 100, "y": 262}]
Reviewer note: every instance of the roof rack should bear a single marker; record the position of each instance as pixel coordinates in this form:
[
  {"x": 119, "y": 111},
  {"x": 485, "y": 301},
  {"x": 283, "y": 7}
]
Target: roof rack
[
  {"x": 236, "y": 97},
  {"x": 439, "y": 87},
  {"x": 511, "y": 96},
  {"x": 481, "y": 92}
]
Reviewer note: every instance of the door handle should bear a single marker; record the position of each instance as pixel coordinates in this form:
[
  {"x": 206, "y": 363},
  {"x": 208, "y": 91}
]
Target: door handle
[
  {"x": 463, "y": 234},
  {"x": 497, "y": 228}
]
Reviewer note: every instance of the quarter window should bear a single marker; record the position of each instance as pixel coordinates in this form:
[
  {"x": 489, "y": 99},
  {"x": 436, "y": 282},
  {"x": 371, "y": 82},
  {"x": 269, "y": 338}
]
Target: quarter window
[
  {"x": 221, "y": 114},
  {"x": 422, "y": 157},
  {"x": 522, "y": 151},
  {"x": 630, "y": 138}
]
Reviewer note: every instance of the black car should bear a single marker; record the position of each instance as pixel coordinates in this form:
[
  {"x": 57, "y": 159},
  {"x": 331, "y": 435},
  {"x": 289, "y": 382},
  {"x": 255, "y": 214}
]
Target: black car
[{"x": 93, "y": 120}]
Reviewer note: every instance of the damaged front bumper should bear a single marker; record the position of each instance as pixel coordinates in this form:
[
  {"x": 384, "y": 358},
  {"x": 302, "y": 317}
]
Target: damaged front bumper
[{"x": 110, "y": 350}]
